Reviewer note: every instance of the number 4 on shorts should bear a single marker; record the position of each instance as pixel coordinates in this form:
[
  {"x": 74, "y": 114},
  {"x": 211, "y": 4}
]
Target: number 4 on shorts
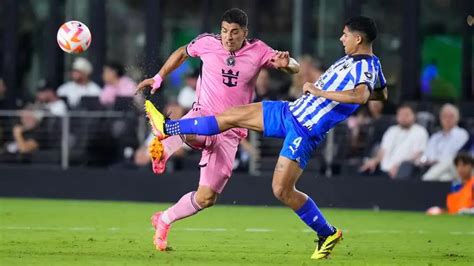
[{"x": 296, "y": 143}]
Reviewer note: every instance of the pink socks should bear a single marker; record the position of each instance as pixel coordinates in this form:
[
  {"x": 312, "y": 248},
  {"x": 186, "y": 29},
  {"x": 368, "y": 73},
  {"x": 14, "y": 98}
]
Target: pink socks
[{"x": 186, "y": 206}]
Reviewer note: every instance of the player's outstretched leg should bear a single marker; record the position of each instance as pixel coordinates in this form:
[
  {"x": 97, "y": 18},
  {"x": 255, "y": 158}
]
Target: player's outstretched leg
[
  {"x": 188, "y": 205},
  {"x": 162, "y": 221},
  {"x": 245, "y": 116},
  {"x": 161, "y": 150},
  {"x": 156, "y": 120},
  {"x": 287, "y": 173}
]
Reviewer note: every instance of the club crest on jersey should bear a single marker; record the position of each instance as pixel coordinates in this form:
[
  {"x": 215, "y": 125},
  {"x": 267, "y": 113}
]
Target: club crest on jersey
[
  {"x": 229, "y": 76},
  {"x": 230, "y": 61},
  {"x": 345, "y": 66}
]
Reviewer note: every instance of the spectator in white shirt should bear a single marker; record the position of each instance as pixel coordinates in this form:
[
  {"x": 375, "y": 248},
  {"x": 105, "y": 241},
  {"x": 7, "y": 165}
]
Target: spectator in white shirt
[
  {"x": 405, "y": 141},
  {"x": 187, "y": 95},
  {"x": 443, "y": 146},
  {"x": 47, "y": 97},
  {"x": 80, "y": 85}
]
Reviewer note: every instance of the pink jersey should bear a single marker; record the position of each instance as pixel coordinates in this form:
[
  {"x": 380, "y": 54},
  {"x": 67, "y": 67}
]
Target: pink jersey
[{"x": 227, "y": 78}]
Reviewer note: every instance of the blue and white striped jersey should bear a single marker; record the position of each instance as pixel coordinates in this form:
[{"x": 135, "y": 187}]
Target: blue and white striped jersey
[{"x": 319, "y": 114}]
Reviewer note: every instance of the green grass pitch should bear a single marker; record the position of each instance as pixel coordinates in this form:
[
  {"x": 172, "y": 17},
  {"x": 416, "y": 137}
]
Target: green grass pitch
[{"x": 67, "y": 232}]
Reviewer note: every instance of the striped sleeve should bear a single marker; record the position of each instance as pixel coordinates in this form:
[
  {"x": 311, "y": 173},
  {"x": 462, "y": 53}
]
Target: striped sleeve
[
  {"x": 364, "y": 73},
  {"x": 381, "y": 77}
]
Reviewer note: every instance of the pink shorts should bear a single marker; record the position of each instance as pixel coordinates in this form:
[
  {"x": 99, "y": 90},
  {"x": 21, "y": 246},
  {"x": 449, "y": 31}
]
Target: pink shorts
[{"x": 218, "y": 154}]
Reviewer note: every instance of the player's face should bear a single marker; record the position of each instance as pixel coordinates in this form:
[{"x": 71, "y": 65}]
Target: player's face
[
  {"x": 349, "y": 40},
  {"x": 233, "y": 36}
]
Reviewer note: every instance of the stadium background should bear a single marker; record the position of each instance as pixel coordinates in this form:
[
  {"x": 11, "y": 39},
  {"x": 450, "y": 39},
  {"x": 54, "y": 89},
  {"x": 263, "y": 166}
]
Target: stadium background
[{"x": 141, "y": 34}]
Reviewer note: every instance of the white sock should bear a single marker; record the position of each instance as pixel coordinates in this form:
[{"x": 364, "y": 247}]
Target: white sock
[{"x": 165, "y": 218}]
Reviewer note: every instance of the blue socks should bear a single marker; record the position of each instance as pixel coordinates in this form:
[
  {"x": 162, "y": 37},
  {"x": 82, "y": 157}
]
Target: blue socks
[
  {"x": 312, "y": 216},
  {"x": 206, "y": 125}
]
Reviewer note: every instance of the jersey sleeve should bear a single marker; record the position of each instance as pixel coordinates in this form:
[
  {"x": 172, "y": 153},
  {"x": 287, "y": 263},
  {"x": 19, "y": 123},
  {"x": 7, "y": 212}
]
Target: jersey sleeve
[
  {"x": 267, "y": 54},
  {"x": 382, "y": 81},
  {"x": 364, "y": 73},
  {"x": 200, "y": 45}
]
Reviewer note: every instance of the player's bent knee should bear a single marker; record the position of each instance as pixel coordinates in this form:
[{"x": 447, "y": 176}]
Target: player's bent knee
[
  {"x": 281, "y": 193},
  {"x": 206, "y": 201}
]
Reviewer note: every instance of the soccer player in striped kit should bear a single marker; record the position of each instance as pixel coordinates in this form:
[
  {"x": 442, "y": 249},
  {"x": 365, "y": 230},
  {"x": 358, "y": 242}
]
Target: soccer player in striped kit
[
  {"x": 230, "y": 66},
  {"x": 351, "y": 81}
]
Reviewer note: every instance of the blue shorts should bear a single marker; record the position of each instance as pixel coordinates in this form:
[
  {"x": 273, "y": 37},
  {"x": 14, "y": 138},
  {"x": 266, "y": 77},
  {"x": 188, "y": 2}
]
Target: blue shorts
[{"x": 278, "y": 122}]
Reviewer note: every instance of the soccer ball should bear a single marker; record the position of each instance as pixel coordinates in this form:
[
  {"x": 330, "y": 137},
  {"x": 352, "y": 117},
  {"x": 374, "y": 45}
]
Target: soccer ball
[{"x": 74, "y": 37}]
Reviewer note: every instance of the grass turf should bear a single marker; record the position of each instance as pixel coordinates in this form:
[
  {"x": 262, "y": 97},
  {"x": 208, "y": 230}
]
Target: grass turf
[{"x": 66, "y": 232}]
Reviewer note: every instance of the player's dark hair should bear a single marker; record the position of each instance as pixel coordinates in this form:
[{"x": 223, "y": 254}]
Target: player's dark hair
[
  {"x": 235, "y": 15},
  {"x": 117, "y": 67},
  {"x": 463, "y": 157},
  {"x": 364, "y": 25}
]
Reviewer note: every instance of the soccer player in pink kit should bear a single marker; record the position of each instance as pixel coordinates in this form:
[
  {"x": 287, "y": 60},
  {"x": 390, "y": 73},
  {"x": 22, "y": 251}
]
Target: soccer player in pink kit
[{"x": 230, "y": 66}]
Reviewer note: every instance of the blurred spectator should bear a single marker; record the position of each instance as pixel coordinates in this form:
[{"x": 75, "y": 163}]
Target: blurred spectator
[
  {"x": 263, "y": 91},
  {"x": 3, "y": 105},
  {"x": 310, "y": 71},
  {"x": 142, "y": 156},
  {"x": 443, "y": 146},
  {"x": 378, "y": 124},
  {"x": 356, "y": 124},
  {"x": 116, "y": 84},
  {"x": 469, "y": 146},
  {"x": 405, "y": 141},
  {"x": 461, "y": 199},
  {"x": 46, "y": 96},
  {"x": 247, "y": 151},
  {"x": 3, "y": 95},
  {"x": 27, "y": 137},
  {"x": 187, "y": 95},
  {"x": 80, "y": 85}
]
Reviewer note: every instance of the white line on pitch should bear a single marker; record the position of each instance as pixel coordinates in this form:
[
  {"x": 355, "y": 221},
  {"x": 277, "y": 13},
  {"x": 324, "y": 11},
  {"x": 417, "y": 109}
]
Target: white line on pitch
[
  {"x": 249, "y": 230},
  {"x": 259, "y": 230},
  {"x": 205, "y": 229}
]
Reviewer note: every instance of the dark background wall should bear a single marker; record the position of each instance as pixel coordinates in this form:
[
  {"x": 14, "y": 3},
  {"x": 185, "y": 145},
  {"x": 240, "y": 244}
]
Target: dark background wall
[{"x": 122, "y": 184}]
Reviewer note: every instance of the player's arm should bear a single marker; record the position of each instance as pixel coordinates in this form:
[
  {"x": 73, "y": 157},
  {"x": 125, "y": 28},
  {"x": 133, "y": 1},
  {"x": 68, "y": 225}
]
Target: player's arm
[
  {"x": 173, "y": 62},
  {"x": 379, "y": 95},
  {"x": 283, "y": 62},
  {"x": 359, "y": 95}
]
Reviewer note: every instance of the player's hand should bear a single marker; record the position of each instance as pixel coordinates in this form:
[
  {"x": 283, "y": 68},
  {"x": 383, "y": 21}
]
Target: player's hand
[
  {"x": 154, "y": 83},
  {"x": 144, "y": 84},
  {"x": 309, "y": 87},
  {"x": 281, "y": 59}
]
